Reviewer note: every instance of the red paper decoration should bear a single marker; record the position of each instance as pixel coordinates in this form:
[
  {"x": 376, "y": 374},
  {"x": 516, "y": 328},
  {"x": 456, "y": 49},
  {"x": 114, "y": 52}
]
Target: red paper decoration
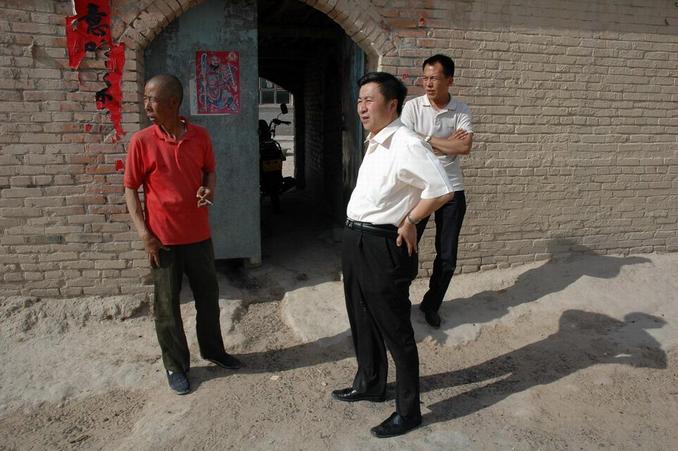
[
  {"x": 110, "y": 97},
  {"x": 87, "y": 31}
]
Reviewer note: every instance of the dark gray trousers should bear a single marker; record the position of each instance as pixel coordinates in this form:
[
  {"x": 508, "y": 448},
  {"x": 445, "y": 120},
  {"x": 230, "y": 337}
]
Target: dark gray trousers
[
  {"x": 449, "y": 219},
  {"x": 197, "y": 262}
]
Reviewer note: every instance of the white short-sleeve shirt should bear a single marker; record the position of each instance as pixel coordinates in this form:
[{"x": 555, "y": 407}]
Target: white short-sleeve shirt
[
  {"x": 398, "y": 170},
  {"x": 424, "y": 119}
]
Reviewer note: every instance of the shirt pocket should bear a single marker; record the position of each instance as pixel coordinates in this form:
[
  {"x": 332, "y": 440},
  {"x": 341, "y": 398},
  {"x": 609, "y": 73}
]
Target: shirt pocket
[{"x": 446, "y": 126}]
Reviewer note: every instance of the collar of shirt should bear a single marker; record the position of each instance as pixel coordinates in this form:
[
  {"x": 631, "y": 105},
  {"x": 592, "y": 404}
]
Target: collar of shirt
[
  {"x": 160, "y": 133},
  {"x": 451, "y": 105},
  {"x": 383, "y": 138}
]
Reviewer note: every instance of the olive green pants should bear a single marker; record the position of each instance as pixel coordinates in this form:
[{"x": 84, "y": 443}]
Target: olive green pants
[{"x": 197, "y": 262}]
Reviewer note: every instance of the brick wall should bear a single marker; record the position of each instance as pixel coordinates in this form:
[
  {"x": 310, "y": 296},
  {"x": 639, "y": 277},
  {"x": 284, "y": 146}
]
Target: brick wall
[
  {"x": 575, "y": 111},
  {"x": 63, "y": 225},
  {"x": 575, "y": 107},
  {"x": 314, "y": 160}
]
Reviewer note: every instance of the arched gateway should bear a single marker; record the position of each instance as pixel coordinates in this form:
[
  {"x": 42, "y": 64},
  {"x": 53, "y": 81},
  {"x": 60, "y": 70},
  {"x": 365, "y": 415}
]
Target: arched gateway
[{"x": 327, "y": 58}]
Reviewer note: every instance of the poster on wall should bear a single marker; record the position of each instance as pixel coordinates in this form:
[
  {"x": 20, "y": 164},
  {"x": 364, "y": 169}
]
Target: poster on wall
[{"x": 216, "y": 87}]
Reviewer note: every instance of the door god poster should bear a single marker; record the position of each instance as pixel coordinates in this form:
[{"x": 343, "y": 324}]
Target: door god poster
[{"x": 217, "y": 82}]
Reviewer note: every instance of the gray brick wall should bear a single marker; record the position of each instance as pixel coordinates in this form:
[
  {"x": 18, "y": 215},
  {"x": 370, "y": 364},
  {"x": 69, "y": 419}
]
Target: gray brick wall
[{"x": 575, "y": 107}]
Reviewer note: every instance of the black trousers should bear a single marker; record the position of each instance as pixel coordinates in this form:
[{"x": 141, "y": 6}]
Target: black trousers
[
  {"x": 449, "y": 219},
  {"x": 197, "y": 262},
  {"x": 377, "y": 277}
]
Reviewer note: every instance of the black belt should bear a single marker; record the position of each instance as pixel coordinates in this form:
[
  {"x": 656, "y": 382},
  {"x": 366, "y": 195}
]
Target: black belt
[{"x": 375, "y": 229}]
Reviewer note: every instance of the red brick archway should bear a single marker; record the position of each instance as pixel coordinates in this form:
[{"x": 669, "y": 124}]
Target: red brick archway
[{"x": 136, "y": 23}]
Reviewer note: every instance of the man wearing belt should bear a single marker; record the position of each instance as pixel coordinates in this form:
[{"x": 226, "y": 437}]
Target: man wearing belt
[
  {"x": 399, "y": 183},
  {"x": 445, "y": 123}
]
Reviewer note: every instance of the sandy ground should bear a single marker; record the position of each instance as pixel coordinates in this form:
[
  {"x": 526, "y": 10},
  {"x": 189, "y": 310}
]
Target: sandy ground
[{"x": 579, "y": 352}]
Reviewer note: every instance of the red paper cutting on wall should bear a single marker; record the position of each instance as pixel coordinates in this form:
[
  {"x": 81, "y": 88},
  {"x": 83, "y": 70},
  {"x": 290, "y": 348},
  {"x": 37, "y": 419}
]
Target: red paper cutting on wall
[
  {"x": 110, "y": 97},
  {"x": 88, "y": 30}
]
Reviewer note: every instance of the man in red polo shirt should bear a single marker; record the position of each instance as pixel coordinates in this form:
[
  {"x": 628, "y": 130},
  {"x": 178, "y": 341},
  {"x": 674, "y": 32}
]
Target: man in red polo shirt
[{"x": 174, "y": 162}]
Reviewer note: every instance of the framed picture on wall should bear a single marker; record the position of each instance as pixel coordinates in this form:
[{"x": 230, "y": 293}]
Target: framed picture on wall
[{"x": 216, "y": 87}]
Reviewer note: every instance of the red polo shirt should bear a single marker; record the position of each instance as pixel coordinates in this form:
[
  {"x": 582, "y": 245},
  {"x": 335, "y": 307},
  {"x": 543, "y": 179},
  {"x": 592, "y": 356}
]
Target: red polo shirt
[{"x": 171, "y": 172}]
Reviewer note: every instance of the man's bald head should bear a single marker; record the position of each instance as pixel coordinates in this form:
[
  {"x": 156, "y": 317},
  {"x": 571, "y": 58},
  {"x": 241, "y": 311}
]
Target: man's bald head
[{"x": 168, "y": 86}]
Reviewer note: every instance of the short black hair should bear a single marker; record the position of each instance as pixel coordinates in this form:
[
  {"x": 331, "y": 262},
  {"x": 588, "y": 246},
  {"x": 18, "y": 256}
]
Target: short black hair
[
  {"x": 444, "y": 60},
  {"x": 170, "y": 85},
  {"x": 389, "y": 86}
]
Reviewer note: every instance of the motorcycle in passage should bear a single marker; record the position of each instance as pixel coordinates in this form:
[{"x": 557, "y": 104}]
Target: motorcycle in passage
[{"x": 271, "y": 157}]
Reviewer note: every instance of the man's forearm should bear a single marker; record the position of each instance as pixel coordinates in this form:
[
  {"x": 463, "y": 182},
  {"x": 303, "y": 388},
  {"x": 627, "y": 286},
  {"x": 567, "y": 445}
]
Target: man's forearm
[
  {"x": 136, "y": 212},
  {"x": 426, "y": 207},
  {"x": 452, "y": 146},
  {"x": 210, "y": 181}
]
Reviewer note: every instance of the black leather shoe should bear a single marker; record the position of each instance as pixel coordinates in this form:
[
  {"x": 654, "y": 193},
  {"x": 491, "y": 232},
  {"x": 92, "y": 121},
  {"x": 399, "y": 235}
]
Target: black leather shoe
[
  {"x": 225, "y": 361},
  {"x": 352, "y": 395},
  {"x": 396, "y": 425},
  {"x": 432, "y": 318}
]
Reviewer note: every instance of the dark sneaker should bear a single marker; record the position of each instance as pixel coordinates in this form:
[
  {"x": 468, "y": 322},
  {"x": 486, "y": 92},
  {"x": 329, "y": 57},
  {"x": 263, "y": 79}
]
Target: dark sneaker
[
  {"x": 178, "y": 382},
  {"x": 225, "y": 361}
]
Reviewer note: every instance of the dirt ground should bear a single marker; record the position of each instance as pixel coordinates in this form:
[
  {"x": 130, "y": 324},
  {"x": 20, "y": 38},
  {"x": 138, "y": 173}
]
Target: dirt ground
[{"x": 559, "y": 358}]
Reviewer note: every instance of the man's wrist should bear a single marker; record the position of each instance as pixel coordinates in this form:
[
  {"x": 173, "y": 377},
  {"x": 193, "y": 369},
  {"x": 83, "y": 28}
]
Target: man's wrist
[
  {"x": 411, "y": 220},
  {"x": 146, "y": 236}
]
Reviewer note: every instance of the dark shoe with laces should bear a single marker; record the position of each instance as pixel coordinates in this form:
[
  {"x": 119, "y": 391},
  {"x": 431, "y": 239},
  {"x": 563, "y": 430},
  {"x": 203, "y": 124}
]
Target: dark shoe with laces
[
  {"x": 226, "y": 361},
  {"x": 432, "y": 318},
  {"x": 178, "y": 382},
  {"x": 351, "y": 395},
  {"x": 396, "y": 425}
]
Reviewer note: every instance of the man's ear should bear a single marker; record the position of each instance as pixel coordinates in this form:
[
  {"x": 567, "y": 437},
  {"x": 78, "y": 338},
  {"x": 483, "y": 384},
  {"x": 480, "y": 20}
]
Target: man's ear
[
  {"x": 393, "y": 105},
  {"x": 175, "y": 102}
]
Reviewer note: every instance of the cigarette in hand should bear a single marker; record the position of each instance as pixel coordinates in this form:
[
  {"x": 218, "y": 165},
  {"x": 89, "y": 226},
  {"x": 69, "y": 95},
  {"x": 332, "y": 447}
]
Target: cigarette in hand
[{"x": 204, "y": 199}]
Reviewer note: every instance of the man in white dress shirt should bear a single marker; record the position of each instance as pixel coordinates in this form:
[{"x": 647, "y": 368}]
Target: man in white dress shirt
[
  {"x": 399, "y": 182},
  {"x": 445, "y": 123}
]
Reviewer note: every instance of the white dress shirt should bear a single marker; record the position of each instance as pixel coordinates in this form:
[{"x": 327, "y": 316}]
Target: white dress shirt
[
  {"x": 398, "y": 170},
  {"x": 419, "y": 115}
]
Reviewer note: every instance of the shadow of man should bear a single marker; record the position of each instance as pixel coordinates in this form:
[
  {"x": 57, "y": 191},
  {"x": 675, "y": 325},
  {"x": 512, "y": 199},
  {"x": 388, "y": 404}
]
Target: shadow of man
[
  {"x": 482, "y": 307},
  {"x": 583, "y": 339},
  {"x": 534, "y": 284},
  {"x": 324, "y": 350}
]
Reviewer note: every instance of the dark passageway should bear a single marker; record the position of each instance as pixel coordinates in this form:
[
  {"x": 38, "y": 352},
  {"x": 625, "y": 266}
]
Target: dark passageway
[{"x": 308, "y": 54}]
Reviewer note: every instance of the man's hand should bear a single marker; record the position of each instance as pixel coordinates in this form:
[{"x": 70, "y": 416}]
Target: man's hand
[
  {"x": 458, "y": 143},
  {"x": 407, "y": 232},
  {"x": 204, "y": 196},
  {"x": 459, "y": 135},
  {"x": 153, "y": 246}
]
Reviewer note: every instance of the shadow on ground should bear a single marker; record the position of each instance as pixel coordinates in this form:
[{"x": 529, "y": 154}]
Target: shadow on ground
[
  {"x": 583, "y": 339},
  {"x": 534, "y": 284}
]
